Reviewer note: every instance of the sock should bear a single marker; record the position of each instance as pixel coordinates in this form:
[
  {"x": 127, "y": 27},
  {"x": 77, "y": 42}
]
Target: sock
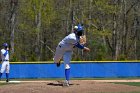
[
  {"x": 0, "y": 75},
  {"x": 67, "y": 74},
  {"x": 7, "y": 76}
]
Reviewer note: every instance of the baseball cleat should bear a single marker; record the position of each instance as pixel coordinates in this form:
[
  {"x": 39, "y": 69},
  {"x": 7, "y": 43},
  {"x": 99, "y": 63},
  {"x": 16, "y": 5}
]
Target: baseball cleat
[
  {"x": 7, "y": 80},
  {"x": 58, "y": 64},
  {"x": 66, "y": 84}
]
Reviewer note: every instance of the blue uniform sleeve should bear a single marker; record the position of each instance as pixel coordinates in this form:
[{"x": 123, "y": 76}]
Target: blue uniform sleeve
[
  {"x": 79, "y": 45},
  {"x": 5, "y": 53}
]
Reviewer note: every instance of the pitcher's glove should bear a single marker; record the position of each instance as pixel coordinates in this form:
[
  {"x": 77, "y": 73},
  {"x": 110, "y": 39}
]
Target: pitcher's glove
[{"x": 83, "y": 40}]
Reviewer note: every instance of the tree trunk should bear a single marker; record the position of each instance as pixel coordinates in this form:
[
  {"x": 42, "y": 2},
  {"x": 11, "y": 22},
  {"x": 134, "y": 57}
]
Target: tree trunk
[
  {"x": 114, "y": 38},
  {"x": 13, "y": 23},
  {"x": 124, "y": 34},
  {"x": 38, "y": 27},
  {"x": 136, "y": 22}
]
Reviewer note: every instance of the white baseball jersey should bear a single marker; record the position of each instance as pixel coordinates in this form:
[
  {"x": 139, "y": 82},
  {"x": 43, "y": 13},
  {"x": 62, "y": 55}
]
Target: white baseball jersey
[
  {"x": 69, "y": 41},
  {"x": 4, "y": 57},
  {"x": 5, "y": 61},
  {"x": 64, "y": 49}
]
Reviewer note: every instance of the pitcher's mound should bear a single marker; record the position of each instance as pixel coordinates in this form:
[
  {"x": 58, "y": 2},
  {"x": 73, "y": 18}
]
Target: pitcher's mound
[{"x": 76, "y": 86}]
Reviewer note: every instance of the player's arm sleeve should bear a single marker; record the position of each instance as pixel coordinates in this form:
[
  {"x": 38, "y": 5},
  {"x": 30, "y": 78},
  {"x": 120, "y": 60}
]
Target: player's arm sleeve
[
  {"x": 0, "y": 57},
  {"x": 79, "y": 45},
  {"x": 5, "y": 53},
  {"x": 75, "y": 43}
]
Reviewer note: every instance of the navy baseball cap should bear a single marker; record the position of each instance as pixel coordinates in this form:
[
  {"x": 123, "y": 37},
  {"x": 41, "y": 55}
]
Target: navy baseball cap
[
  {"x": 80, "y": 28},
  {"x": 5, "y": 45}
]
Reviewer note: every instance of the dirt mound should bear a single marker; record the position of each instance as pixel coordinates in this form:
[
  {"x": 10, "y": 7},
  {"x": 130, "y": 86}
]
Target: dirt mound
[{"x": 76, "y": 86}]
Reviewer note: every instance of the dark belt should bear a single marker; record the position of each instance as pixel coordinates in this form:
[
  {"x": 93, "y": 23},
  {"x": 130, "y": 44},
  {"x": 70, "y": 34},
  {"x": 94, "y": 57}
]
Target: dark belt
[
  {"x": 5, "y": 60},
  {"x": 59, "y": 46}
]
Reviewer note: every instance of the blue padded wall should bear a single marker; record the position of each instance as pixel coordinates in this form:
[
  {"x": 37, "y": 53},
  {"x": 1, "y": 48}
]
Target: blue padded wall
[{"x": 78, "y": 70}]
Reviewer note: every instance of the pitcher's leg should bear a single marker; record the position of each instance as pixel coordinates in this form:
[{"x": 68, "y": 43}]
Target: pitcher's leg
[
  {"x": 58, "y": 56},
  {"x": 67, "y": 59},
  {"x": 0, "y": 75},
  {"x": 67, "y": 72},
  {"x": 3, "y": 67},
  {"x": 7, "y": 72},
  {"x": 7, "y": 77}
]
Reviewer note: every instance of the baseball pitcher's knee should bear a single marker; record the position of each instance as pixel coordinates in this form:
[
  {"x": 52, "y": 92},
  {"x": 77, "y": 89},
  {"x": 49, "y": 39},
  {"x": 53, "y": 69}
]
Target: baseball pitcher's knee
[
  {"x": 7, "y": 70},
  {"x": 2, "y": 71},
  {"x": 67, "y": 66},
  {"x": 56, "y": 60}
]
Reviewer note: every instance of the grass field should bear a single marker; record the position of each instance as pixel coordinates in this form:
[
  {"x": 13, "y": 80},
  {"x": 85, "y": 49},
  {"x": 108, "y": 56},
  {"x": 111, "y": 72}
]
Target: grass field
[{"x": 129, "y": 83}]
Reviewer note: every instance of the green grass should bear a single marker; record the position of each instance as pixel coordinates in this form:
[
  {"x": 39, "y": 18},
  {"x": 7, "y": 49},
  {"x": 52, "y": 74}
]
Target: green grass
[
  {"x": 2, "y": 84},
  {"x": 129, "y": 83}
]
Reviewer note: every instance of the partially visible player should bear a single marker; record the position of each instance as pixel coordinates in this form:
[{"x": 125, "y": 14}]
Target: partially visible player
[
  {"x": 5, "y": 67},
  {"x": 65, "y": 48}
]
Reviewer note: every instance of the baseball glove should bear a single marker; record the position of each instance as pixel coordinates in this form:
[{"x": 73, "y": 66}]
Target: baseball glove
[{"x": 83, "y": 39}]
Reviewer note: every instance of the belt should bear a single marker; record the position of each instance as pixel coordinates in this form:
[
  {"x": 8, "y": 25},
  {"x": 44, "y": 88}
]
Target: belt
[
  {"x": 5, "y": 60},
  {"x": 59, "y": 46}
]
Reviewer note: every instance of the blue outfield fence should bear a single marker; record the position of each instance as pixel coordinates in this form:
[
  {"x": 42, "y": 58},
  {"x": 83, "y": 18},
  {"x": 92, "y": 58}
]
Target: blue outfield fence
[{"x": 78, "y": 70}]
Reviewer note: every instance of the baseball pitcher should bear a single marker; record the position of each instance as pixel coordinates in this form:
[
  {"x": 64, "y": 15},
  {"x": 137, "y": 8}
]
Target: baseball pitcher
[
  {"x": 65, "y": 48},
  {"x": 5, "y": 61}
]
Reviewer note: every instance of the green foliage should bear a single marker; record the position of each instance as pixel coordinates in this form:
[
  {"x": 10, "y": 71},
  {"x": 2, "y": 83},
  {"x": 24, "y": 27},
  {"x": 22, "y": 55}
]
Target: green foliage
[
  {"x": 13, "y": 58},
  {"x": 102, "y": 33},
  {"x": 45, "y": 22},
  {"x": 122, "y": 57},
  {"x": 104, "y": 6},
  {"x": 101, "y": 53},
  {"x": 32, "y": 57}
]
